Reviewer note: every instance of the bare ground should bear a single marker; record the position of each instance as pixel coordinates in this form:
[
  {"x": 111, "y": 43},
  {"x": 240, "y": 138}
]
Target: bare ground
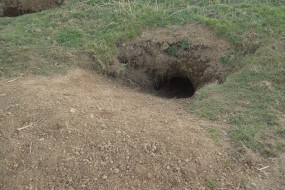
[{"x": 83, "y": 131}]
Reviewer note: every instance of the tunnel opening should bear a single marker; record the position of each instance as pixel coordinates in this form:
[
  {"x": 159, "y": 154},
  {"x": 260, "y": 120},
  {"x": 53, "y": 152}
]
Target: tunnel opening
[
  {"x": 175, "y": 87},
  {"x": 173, "y": 62}
]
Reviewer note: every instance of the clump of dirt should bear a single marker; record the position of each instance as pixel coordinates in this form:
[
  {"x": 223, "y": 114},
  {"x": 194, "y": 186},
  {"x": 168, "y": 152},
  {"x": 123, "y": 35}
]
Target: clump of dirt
[
  {"x": 13, "y": 8},
  {"x": 175, "y": 60}
]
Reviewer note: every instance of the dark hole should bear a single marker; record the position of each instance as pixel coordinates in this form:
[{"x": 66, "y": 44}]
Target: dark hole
[
  {"x": 15, "y": 11},
  {"x": 176, "y": 87}
]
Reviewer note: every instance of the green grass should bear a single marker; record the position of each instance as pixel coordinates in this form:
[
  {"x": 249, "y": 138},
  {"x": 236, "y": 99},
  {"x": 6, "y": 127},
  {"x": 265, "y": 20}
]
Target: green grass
[
  {"x": 251, "y": 100},
  {"x": 69, "y": 38}
]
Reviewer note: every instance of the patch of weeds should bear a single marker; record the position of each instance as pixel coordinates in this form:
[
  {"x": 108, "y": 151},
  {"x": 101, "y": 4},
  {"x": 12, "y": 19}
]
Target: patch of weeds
[
  {"x": 172, "y": 51},
  {"x": 225, "y": 163},
  {"x": 177, "y": 48},
  {"x": 215, "y": 134},
  {"x": 69, "y": 38},
  {"x": 185, "y": 44},
  {"x": 211, "y": 185}
]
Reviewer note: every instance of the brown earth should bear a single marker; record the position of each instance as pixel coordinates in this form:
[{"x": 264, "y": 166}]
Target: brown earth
[
  {"x": 13, "y": 8},
  {"x": 164, "y": 57},
  {"x": 84, "y": 131}
]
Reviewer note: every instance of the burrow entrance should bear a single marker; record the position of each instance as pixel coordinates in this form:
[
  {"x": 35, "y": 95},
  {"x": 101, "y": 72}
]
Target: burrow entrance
[
  {"x": 175, "y": 87},
  {"x": 173, "y": 62},
  {"x": 14, "y": 8}
]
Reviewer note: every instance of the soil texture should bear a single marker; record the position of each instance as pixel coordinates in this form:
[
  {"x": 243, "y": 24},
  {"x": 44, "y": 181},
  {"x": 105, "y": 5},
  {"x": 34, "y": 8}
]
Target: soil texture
[
  {"x": 84, "y": 131},
  {"x": 187, "y": 56}
]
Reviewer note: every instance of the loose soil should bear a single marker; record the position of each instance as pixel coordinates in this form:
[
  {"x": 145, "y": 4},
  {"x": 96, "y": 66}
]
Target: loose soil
[
  {"x": 13, "y": 8},
  {"x": 83, "y": 131},
  {"x": 174, "y": 60}
]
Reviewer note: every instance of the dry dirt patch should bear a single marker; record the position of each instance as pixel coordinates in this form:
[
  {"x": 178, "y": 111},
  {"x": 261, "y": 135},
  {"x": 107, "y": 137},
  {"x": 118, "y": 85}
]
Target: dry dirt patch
[
  {"x": 175, "y": 60},
  {"x": 82, "y": 131}
]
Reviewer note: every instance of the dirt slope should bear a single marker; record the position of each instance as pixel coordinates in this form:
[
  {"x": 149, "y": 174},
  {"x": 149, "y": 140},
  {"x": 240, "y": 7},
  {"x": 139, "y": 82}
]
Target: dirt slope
[{"x": 83, "y": 131}]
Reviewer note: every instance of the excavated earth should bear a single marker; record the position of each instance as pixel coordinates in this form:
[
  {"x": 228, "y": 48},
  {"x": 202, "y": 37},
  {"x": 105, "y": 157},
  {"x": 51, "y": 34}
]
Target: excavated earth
[
  {"x": 13, "y": 8},
  {"x": 83, "y": 131},
  {"x": 175, "y": 60}
]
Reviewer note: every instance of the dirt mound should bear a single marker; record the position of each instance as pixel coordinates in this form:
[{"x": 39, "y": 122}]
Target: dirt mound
[
  {"x": 175, "y": 60},
  {"x": 13, "y": 8},
  {"x": 81, "y": 131}
]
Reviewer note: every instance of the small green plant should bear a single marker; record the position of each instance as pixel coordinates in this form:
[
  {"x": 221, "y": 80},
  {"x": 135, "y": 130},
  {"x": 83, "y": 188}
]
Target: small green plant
[
  {"x": 225, "y": 163},
  {"x": 185, "y": 44},
  {"x": 175, "y": 48},
  {"x": 211, "y": 185},
  {"x": 172, "y": 51}
]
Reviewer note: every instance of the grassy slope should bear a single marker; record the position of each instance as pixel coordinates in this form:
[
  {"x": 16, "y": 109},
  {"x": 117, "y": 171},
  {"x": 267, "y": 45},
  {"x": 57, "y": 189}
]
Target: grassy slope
[{"x": 251, "y": 100}]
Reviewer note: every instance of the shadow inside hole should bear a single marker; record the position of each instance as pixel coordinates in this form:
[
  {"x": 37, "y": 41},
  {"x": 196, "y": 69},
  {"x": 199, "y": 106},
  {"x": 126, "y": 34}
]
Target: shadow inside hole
[
  {"x": 176, "y": 87},
  {"x": 15, "y": 11}
]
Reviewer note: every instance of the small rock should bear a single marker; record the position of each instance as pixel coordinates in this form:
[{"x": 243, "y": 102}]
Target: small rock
[
  {"x": 85, "y": 160},
  {"x": 83, "y": 185},
  {"x": 177, "y": 168},
  {"x": 72, "y": 110},
  {"x": 116, "y": 170},
  {"x": 104, "y": 177},
  {"x": 38, "y": 30}
]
